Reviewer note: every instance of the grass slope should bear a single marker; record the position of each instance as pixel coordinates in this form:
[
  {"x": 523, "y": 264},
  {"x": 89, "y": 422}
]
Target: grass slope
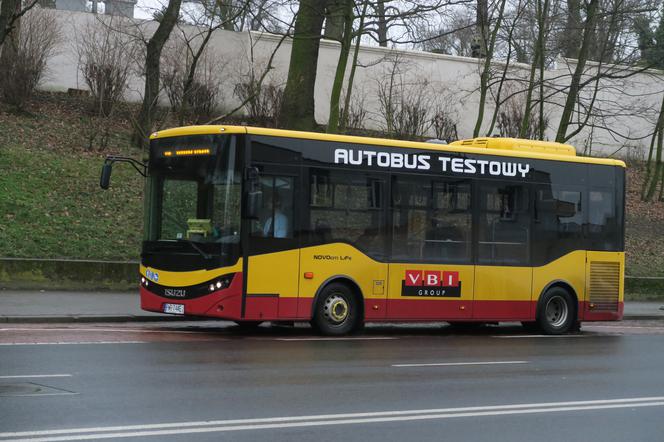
[{"x": 51, "y": 205}]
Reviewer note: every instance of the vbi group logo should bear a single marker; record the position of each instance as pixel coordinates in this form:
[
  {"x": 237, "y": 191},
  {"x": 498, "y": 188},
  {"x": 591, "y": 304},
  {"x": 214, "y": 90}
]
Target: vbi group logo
[{"x": 431, "y": 283}]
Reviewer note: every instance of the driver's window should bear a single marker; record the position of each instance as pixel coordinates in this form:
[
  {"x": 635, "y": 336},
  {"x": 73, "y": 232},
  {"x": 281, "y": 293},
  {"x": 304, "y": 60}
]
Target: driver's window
[
  {"x": 178, "y": 205},
  {"x": 276, "y": 215}
]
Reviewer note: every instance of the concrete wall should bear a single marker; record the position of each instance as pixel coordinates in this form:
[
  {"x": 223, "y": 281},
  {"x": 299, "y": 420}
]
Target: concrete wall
[
  {"x": 52, "y": 274},
  {"x": 625, "y": 115}
]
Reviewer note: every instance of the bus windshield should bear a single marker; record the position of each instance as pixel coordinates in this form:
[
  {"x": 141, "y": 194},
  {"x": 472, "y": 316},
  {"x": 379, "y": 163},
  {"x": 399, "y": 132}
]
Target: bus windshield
[{"x": 194, "y": 197}]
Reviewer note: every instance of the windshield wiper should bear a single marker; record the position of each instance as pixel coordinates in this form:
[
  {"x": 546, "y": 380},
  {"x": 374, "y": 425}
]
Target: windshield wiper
[
  {"x": 188, "y": 241},
  {"x": 198, "y": 249}
]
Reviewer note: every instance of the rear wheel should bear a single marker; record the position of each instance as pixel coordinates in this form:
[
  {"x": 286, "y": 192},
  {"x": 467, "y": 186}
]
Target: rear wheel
[
  {"x": 337, "y": 311},
  {"x": 556, "y": 312}
]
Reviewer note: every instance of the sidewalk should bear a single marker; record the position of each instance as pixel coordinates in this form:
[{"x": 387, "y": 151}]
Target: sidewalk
[{"x": 57, "y": 306}]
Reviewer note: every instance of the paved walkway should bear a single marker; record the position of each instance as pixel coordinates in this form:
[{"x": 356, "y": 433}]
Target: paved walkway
[{"x": 57, "y": 306}]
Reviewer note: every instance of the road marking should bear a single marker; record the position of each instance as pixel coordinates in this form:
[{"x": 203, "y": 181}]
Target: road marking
[
  {"x": 324, "y": 419},
  {"x": 625, "y": 326},
  {"x": 32, "y": 376},
  {"x": 111, "y": 330},
  {"x": 375, "y": 338},
  {"x": 74, "y": 343},
  {"x": 538, "y": 336},
  {"x": 454, "y": 364}
]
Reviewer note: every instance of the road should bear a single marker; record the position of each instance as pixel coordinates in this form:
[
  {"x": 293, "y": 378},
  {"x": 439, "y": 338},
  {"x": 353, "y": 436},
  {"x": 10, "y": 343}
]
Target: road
[{"x": 212, "y": 381}]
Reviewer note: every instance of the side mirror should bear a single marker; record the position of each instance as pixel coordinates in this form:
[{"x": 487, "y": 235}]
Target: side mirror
[
  {"x": 105, "y": 179},
  {"x": 254, "y": 204}
]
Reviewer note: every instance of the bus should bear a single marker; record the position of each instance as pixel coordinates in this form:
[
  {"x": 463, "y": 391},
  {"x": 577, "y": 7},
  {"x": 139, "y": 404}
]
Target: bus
[{"x": 252, "y": 224}]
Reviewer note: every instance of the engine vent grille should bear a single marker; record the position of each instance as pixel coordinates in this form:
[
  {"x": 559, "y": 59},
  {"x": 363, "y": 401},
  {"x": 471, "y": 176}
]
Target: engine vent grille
[{"x": 604, "y": 289}]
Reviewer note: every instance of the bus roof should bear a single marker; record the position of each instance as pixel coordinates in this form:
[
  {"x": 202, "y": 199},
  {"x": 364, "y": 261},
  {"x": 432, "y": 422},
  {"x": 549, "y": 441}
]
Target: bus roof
[{"x": 511, "y": 147}]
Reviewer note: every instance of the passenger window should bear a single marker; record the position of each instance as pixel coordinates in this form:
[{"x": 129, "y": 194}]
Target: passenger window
[
  {"x": 602, "y": 220},
  {"x": 432, "y": 220},
  {"x": 347, "y": 208},
  {"x": 504, "y": 225},
  {"x": 559, "y": 219}
]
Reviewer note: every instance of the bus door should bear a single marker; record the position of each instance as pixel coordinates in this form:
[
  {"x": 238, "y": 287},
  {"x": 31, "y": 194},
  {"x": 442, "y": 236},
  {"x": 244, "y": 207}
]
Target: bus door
[
  {"x": 344, "y": 223},
  {"x": 431, "y": 270},
  {"x": 272, "y": 246},
  {"x": 503, "y": 275}
]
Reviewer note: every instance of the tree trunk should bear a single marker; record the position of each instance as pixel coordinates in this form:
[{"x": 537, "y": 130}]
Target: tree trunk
[
  {"x": 8, "y": 11},
  {"x": 588, "y": 31},
  {"x": 482, "y": 36},
  {"x": 346, "y": 41},
  {"x": 297, "y": 109},
  {"x": 191, "y": 74},
  {"x": 503, "y": 77},
  {"x": 486, "y": 70},
  {"x": 653, "y": 172},
  {"x": 542, "y": 62},
  {"x": 382, "y": 23},
  {"x": 9, "y": 50},
  {"x": 652, "y": 187},
  {"x": 335, "y": 19},
  {"x": 152, "y": 70},
  {"x": 570, "y": 40},
  {"x": 538, "y": 60},
  {"x": 353, "y": 68}
]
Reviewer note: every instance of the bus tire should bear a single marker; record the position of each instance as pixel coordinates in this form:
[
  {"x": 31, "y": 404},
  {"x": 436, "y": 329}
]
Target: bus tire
[
  {"x": 556, "y": 312},
  {"x": 337, "y": 311}
]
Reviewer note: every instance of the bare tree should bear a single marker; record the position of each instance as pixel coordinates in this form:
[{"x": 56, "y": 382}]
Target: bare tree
[
  {"x": 152, "y": 72},
  {"x": 487, "y": 51},
  {"x": 253, "y": 85},
  {"x": 297, "y": 109},
  {"x": 24, "y": 58},
  {"x": 404, "y": 101},
  {"x": 453, "y": 36},
  {"x": 11, "y": 12},
  {"x": 106, "y": 58},
  {"x": 346, "y": 39}
]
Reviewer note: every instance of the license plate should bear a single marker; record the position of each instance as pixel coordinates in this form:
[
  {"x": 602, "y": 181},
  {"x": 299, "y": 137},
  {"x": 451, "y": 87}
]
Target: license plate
[{"x": 176, "y": 309}]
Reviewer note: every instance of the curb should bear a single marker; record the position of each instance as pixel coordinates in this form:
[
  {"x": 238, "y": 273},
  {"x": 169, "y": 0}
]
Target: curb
[{"x": 643, "y": 317}]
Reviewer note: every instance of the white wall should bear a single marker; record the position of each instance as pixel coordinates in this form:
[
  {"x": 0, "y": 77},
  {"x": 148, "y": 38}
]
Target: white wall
[{"x": 626, "y": 108}]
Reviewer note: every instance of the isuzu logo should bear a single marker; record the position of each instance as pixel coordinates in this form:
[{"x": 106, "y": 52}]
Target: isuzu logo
[
  {"x": 175, "y": 293},
  {"x": 431, "y": 283}
]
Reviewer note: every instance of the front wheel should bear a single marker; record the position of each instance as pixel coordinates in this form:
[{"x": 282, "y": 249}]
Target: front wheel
[
  {"x": 556, "y": 312},
  {"x": 337, "y": 312}
]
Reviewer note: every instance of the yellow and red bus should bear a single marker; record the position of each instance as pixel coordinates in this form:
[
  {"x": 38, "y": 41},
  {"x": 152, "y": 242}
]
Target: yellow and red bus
[{"x": 251, "y": 224}]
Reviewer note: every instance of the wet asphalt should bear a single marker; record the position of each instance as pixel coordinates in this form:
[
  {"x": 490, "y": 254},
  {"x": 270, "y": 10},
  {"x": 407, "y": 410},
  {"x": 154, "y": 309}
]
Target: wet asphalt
[{"x": 164, "y": 382}]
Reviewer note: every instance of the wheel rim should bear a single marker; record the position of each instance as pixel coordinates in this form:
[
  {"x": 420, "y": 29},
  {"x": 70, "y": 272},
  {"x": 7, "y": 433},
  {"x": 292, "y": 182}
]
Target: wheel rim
[
  {"x": 336, "y": 309},
  {"x": 556, "y": 311}
]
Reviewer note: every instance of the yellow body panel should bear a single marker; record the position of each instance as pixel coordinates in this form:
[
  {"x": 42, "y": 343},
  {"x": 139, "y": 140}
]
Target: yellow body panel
[
  {"x": 274, "y": 273},
  {"x": 183, "y": 279},
  {"x": 519, "y": 144},
  {"x": 502, "y": 283},
  {"x": 337, "y": 259},
  {"x": 500, "y": 149},
  {"x": 570, "y": 268}
]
